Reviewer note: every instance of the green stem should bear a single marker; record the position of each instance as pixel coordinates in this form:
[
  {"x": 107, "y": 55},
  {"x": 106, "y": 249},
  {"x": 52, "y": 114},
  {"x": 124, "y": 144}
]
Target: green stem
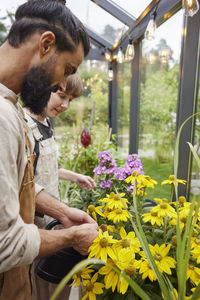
[{"x": 165, "y": 230}]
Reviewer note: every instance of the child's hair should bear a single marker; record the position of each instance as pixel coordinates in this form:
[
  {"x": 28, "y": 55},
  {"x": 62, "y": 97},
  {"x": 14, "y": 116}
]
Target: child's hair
[{"x": 74, "y": 86}]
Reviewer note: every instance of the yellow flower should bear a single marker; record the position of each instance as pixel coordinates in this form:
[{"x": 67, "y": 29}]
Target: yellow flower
[
  {"x": 118, "y": 215},
  {"x": 146, "y": 271},
  {"x": 132, "y": 178},
  {"x": 194, "y": 274},
  {"x": 195, "y": 242},
  {"x": 153, "y": 218},
  {"x": 196, "y": 254},
  {"x": 164, "y": 209},
  {"x": 82, "y": 274},
  {"x": 182, "y": 222},
  {"x": 163, "y": 262},
  {"x": 171, "y": 180},
  {"x": 113, "y": 201},
  {"x": 111, "y": 278},
  {"x": 146, "y": 181},
  {"x": 101, "y": 246},
  {"x": 92, "y": 288},
  {"x": 92, "y": 210},
  {"x": 143, "y": 181},
  {"x": 128, "y": 241},
  {"x": 126, "y": 263}
]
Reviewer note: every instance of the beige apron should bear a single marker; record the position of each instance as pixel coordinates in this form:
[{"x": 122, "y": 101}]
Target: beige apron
[
  {"x": 46, "y": 175},
  {"x": 15, "y": 284}
]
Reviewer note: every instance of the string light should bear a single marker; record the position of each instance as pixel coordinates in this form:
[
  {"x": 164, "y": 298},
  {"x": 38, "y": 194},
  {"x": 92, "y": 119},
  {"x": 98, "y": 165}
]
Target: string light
[
  {"x": 107, "y": 55},
  {"x": 130, "y": 51},
  {"x": 120, "y": 56},
  {"x": 110, "y": 74},
  {"x": 190, "y": 7},
  {"x": 151, "y": 28}
]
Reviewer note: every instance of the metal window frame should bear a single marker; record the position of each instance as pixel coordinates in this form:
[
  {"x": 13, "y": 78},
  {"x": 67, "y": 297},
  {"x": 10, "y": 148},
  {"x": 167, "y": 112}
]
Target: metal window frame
[
  {"x": 188, "y": 89},
  {"x": 116, "y": 11}
]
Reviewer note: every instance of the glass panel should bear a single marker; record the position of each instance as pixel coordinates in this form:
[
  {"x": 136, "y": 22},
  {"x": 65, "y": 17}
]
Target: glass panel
[
  {"x": 158, "y": 101},
  {"x": 135, "y": 8},
  {"x": 195, "y": 178},
  {"x": 98, "y": 20},
  {"x": 124, "y": 77}
]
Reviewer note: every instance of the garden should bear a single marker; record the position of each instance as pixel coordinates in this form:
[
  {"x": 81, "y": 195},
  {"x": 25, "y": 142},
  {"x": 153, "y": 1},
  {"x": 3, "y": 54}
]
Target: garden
[{"x": 135, "y": 131}]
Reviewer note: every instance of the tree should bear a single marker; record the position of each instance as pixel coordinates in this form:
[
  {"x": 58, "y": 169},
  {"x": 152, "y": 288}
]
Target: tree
[{"x": 9, "y": 18}]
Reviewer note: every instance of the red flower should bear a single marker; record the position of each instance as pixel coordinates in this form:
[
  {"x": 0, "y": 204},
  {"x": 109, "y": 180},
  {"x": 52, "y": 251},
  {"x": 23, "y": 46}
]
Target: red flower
[{"x": 85, "y": 137}]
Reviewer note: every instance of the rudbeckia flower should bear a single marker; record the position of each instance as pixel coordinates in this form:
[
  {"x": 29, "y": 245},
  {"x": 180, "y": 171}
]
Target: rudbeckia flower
[
  {"x": 128, "y": 241},
  {"x": 101, "y": 246},
  {"x": 163, "y": 262},
  {"x": 82, "y": 274},
  {"x": 153, "y": 218},
  {"x": 92, "y": 288},
  {"x": 92, "y": 210},
  {"x": 111, "y": 278},
  {"x": 171, "y": 180},
  {"x": 194, "y": 274},
  {"x": 164, "y": 209},
  {"x": 113, "y": 201},
  {"x": 118, "y": 215}
]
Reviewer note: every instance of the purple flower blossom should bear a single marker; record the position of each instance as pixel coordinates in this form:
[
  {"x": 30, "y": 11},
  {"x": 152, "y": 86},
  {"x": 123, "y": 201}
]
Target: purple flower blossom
[
  {"x": 107, "y": 164},
  {"x": 105, "y": 184}
]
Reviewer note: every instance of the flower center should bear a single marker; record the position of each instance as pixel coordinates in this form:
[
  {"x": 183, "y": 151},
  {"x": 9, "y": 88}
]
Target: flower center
[
  {"x": 191, "y": 267},
  {"x": 125, "y": 243},
  {"x": 112, "y": 195},
  {"x": 116, "y": 198},
  {"x": 130, "y": 270},
  {"x": 184, "y": 219},
  {"x": 181, "y": 199},
  {"x": 163, "y": 205},
  {"x": 103, "y": 242},
  {"x": 197, "y": 241},
  {"x": 171, "y": 177},
  {"x": 158, "y": 256},
  {"x": 154, "y": 213},
  {"x": 91, "y": 208},
  {"x": 89, "y": 286},
  {"x": 174, "y": 240},
  {"x": 78, "y": 274},
  {"x": 118, "y": 211}
]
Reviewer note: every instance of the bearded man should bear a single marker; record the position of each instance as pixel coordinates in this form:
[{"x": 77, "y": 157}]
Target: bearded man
[{"x": 45, "y": 44}]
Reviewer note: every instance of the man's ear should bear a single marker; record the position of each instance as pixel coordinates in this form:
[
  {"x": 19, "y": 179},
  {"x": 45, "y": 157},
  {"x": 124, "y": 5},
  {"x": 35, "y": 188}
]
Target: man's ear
[{"x": 46, "y": 43}]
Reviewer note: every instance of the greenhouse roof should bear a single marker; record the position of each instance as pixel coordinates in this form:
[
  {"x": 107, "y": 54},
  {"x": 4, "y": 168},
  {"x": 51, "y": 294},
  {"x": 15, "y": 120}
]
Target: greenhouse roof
[{"x": 111, "y": 24}]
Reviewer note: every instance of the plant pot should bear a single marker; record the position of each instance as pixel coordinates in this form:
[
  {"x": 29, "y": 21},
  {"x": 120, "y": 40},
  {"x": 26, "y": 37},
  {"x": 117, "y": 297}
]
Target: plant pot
[{"x": 53, "y": 268}]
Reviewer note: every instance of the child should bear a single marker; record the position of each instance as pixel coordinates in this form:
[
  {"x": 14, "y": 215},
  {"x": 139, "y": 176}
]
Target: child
[{"x": 46, "y": 168}]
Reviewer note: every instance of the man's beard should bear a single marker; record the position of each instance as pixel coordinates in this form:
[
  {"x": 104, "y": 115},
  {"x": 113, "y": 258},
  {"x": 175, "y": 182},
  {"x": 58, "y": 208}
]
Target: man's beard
[{"x": 36, "y": 89}]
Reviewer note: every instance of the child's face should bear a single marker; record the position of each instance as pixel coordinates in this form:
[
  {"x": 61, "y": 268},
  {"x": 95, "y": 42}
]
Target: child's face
[{"x": 58, "y": 103}]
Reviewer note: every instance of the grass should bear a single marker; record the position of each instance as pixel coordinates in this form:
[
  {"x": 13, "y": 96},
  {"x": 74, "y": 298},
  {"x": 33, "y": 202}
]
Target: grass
[{"x": 158, "y": 172}]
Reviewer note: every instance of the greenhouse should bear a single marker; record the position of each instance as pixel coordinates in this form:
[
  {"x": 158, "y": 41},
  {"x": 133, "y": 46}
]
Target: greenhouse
[{"x": 130, "y": 142}]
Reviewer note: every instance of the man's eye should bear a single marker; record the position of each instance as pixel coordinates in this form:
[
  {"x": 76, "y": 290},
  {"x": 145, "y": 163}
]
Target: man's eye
[{"x": 68, "y": 72}]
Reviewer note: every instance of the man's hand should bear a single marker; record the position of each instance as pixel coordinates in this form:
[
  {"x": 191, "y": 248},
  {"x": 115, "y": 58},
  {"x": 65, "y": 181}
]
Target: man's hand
[
  {"x": 86, "y": 182},
  {"x": 74, "y": 217},
  {"x": 83, "y": 237}
]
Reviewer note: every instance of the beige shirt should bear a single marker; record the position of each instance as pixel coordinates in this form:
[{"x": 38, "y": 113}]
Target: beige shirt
[{"x": 19, "y": 242}]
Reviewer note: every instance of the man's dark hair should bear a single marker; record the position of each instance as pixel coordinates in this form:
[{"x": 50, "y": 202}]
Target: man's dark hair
[{"x": 48, "y": 15}]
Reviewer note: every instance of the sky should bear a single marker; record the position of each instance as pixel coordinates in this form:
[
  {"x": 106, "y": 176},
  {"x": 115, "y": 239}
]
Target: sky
[{"x": 96, "y": 18}]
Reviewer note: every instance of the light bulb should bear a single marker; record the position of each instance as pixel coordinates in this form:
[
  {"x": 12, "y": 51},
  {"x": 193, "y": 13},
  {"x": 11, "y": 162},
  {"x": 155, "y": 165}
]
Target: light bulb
[
  {"x": 120, "y": 56},
  {"x": 110, "y": 74},
  {"x": 150, "y": 30},
  {"x": 107, "y": 56},
  {"x": 130, "y": 51},
  {"x": 190, "y": 7}
]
